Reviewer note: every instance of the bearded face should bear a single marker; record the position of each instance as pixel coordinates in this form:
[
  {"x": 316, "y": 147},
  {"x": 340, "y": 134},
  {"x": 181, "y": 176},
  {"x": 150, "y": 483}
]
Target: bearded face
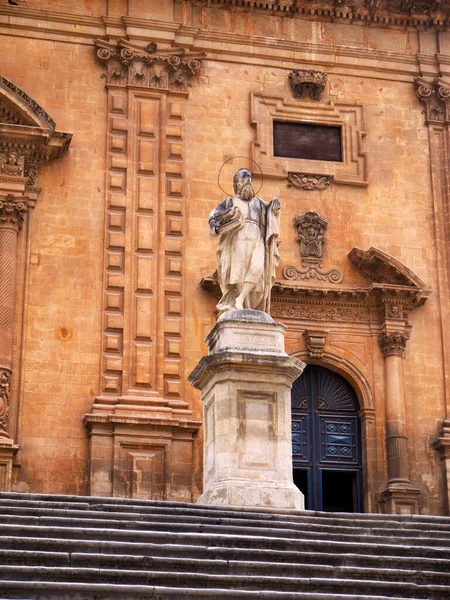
[{"x": 243, "y": 185}]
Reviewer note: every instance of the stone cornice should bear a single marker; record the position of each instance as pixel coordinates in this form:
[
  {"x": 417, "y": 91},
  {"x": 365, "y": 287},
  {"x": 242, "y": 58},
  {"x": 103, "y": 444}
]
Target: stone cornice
[
  {"x": 220, "y": 45},
  {"x": 402, "y": 13}
]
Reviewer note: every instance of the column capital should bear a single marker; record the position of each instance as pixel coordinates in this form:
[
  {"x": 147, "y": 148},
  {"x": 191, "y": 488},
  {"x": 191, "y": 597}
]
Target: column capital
[
  {"x": 393, "y": 342},
  {"x": 12, "y": 212}
]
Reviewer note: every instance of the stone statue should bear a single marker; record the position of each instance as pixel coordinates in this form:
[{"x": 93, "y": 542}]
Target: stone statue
[{"x": 247, "y": 255}]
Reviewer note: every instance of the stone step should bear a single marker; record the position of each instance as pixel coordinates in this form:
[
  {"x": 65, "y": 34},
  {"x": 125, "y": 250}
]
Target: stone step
[
  {"x": 30, "y": 515},
  {"x": 133, "y": 539},
  {"x": 35, "y": 590},
  {"x": 183, "y": 579},
  {"x": 61, "y": 548},
  {"x": 224, "y": 566},
  {"x": 369, "y": 545},
  {"x": 103, "y": 549},
  {"x": 228, "y": 528},
  {"x": 126, "y": 504}
]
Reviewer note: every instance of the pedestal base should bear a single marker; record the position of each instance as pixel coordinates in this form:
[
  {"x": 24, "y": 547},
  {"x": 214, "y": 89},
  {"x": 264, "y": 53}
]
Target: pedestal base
[
  {"x": 400, "y": 500},
  {"x": 8, "y": 450},
  {"x": 243, "y": 493},
  {"x": 245, "y": 383}
]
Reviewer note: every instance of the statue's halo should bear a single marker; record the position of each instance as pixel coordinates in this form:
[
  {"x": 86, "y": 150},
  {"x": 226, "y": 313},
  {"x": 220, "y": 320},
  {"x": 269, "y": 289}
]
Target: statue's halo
[{"x": 238, "y": 167}]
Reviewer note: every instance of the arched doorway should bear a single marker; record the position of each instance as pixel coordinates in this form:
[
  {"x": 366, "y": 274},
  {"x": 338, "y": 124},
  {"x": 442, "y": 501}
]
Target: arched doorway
[{"x": 326, "y": 449}]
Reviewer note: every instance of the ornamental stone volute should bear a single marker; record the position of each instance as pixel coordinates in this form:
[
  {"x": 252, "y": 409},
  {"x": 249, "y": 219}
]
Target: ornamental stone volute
[
  {"x": 12, "y": 213},
  {"x": 392, "y": 343}
]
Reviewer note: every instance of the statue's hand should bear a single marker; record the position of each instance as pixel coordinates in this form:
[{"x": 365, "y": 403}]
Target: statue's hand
[{"x": 275, "y": 206}]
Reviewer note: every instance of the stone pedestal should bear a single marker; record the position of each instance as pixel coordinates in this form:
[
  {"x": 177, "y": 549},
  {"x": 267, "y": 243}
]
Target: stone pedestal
[{"x": 245, "y": 383}]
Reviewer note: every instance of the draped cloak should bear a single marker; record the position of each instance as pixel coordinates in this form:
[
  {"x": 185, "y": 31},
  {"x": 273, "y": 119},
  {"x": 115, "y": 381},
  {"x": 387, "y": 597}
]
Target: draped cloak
[{"x": 247, "y": 251}]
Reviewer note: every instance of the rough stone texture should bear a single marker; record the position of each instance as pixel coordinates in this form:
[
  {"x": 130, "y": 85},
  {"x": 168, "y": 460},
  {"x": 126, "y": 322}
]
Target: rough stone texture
[{"x": 398, "y": 204}]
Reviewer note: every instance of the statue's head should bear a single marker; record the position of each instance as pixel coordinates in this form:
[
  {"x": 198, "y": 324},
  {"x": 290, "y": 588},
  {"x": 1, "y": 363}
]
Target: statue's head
[{"x": 242, "y": 184}]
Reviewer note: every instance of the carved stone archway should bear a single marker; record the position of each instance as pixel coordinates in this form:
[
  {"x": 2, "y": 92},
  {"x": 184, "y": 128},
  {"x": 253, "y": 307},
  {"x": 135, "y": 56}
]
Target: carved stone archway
[
  {"x": 367, "y": 414},
  {"x": 28, "y": 139}
]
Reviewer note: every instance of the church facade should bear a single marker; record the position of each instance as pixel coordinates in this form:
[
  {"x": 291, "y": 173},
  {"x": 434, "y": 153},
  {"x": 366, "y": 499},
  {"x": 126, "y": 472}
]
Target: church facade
[{"x": 122, "y": 123}]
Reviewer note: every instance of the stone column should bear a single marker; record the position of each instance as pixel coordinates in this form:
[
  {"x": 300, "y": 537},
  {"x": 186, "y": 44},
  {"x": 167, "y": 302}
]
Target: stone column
[
  {"x": 399, "y": 496},
  {"x": 245, "y": 383},
  {"x": 11, "y": 220}
]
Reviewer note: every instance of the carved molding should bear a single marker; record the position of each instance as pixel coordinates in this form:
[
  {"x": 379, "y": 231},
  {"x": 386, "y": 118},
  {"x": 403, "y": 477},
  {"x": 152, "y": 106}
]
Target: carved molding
[
  {"x": 393, "y": 343},
  {"x": 343, "y": 9},
  {"x": 309, "y": 182},
  {"x": 28, "y": 138},
  {"x": 311, "y": 237},
  {"x": 307, "y": 81},
  {"x": 19, "y": 108},
  {"x": 349, "y": 116},
  {"x": 435, "y": 95},
  {"x": 315, "y": 343},
  {"x": 130, "y": 64},
  {"x": 381, "y": 267}
]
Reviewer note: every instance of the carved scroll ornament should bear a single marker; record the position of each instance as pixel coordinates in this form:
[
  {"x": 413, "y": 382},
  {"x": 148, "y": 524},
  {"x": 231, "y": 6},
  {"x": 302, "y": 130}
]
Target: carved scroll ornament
[
  {"x": 130, "y": 64},
  {"x": 308, "y": 182},
  {"x": 311, "y": 237},
  {"x": 435, "y": 95}
]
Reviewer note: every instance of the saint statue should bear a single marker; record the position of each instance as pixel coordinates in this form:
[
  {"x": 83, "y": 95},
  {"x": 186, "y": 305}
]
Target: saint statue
[{"x": 247, "y": 255}]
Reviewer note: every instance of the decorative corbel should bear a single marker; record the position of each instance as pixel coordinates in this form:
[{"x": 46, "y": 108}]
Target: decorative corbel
[
  {"x": 315, "y": 342},
  {"x": 304, "y": 81}
]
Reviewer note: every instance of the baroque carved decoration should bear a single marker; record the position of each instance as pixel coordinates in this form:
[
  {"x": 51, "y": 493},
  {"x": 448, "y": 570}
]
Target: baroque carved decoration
[
  {"x": 394, "y": 311},
  {"x": 308, "y": 182},
  {"x": 28, "y": 137},
  {"x": 12, "y": 212},
  {"x": 307, "y": 81},
  {"x": 392, "y": 343},
  {"x": 435, "y": 95},
  {"x": 5, "y": 382},
  {"x": 12, "y": 164},
  {"x": 27, "y": 109},
  {"x": 315, "y": 343},
  {"x": 311, "y": 237},
  {"x": 130, "y": 64}
]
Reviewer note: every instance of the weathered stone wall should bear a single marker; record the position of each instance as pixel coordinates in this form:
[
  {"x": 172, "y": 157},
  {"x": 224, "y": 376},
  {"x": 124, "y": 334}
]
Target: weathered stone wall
[{"x": 58, "y": 353}]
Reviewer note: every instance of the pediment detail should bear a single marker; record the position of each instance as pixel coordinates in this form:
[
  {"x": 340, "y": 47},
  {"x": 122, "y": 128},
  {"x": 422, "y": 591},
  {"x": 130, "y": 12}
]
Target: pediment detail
[
  {"x": 28, "y": 137},
  {"x": 18, "y": 108},
  {"x": 382, "y": 268}
]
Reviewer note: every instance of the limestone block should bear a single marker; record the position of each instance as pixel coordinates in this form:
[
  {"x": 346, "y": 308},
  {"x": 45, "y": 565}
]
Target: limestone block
[{"x": 247, "y": 413}]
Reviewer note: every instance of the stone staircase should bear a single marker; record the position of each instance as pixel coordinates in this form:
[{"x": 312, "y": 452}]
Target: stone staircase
[{"x": 85, "y": 548}]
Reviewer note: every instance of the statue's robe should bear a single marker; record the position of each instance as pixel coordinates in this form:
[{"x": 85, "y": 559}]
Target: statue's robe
[{"x": 247, "y": 251}]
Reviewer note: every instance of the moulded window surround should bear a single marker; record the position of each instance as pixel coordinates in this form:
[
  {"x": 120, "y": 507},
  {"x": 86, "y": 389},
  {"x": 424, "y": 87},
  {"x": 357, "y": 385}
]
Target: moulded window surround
[{"x": 348, "y": 116}]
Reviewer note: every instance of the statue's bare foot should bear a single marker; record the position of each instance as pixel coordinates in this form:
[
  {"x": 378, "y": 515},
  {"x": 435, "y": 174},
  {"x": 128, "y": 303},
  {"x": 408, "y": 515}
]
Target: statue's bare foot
[{"x": 239, "y": 304}]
